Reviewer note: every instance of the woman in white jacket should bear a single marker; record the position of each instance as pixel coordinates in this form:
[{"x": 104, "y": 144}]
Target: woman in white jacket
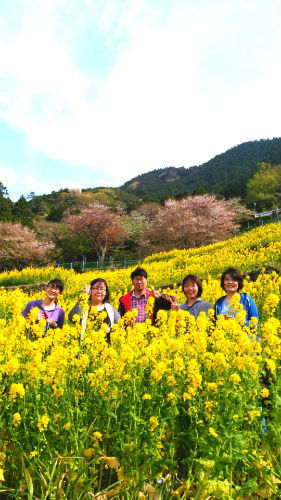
[{"x": 99, "y": 298}]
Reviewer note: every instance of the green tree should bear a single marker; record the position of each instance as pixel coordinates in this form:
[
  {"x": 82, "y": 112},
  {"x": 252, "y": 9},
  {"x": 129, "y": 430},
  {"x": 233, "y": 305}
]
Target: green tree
[
  {"x": 264, "y": 189},
  {"x": 22, "y": 212},
  {"x": 6, "y": 205},
  {"x": 56, "y": 213},
  {"x": 68, "y": 246},
  {"x": 3, "y": 190}
]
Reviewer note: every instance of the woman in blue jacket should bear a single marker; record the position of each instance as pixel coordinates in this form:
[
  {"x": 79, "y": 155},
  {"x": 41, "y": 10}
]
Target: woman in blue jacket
[{"x": 231, "y": 283}]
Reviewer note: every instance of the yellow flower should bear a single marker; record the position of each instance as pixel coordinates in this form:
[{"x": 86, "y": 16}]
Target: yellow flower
[
  {"x": 235, "y": 378},
  {"x": 171, "y": 380},
  {"x": 42, "y": 423},
  {"x": 253, "y": 414},
  {"x": 33, "y": 454},
  {"x": 58, "y": 391},
  {"x": 146, "y": 396},
  {"x": 16, "y": 389},
  {"x": 76, "y": 318},
  {"x": 172, "y": 397},
  {"x": 16, "y": 419},
  {"x": 265, "y": 392},
  {"x": 270, "y": 303},
  {"x": 153, "y": 423},
  {"x": 212, "y": 386},
  {"x": 186, "y": 396},
  {"x": 271, "y": 365},
  {"x": 213, "y": 432},
  {"x": 67, "y": 426},
  {"x": 149, "y": 305},
  {"x": 11, "y": 366},
  {"x": 97, "y": 436},
  {"x": 159, "y": 370}
]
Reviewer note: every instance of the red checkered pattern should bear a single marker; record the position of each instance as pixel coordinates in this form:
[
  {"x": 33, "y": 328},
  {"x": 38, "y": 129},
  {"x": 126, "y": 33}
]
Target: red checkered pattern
[{"x": 139, "y": 303}]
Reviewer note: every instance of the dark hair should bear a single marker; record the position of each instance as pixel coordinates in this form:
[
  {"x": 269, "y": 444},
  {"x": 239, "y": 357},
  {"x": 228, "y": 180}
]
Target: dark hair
[
  {"x": 139, "y": 271},
  {"x": 56, "y": 283},
  {"x": 194, "y": 279},
  {"x": 235, "y": 275},
  {"x": 100, "y": 280}
]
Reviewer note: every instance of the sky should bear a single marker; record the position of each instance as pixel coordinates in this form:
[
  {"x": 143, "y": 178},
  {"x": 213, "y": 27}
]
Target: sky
[{"x": 96, "y": 92}]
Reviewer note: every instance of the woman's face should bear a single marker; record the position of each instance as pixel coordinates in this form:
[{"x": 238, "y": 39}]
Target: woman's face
[
  {"x": 97, "y": 292},
  {"x": 52, "y": 293},
  {"x": 190, "y": 290},
  {"x": 230, "y": 286}
]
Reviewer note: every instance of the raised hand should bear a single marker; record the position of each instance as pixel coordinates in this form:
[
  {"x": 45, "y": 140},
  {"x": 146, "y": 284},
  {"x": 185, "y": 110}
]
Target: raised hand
[
  {"x": 154, "y": 293},
  {"x": 174, "y": 304},
  {"x": 86, "y": 289}
]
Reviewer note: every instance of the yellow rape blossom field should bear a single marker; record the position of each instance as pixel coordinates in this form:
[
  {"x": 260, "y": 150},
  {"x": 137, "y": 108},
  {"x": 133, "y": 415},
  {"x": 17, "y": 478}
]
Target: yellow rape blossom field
[{"x": 185, "y": 409}]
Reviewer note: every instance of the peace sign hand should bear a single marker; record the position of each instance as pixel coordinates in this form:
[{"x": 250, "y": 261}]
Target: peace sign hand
[
  {"x": 86, "y": 289},
  {"x": 174, "y": 304},
  {"x": 154, "y": 293}
]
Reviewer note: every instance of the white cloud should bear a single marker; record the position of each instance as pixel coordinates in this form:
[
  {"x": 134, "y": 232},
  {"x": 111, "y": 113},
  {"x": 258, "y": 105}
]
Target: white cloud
[
  {"x": 159, "y": 105},
  {"x": 23, "y": 183},
  {"x": 8, "y": 176}
]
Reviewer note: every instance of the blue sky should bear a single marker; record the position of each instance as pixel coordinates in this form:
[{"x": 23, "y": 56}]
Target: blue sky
[{"x": 95, "y": 92}]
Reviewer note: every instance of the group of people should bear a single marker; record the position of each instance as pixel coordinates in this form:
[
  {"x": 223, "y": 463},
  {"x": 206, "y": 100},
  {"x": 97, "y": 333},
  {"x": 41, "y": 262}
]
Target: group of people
[{"x": 231, "y": 283}]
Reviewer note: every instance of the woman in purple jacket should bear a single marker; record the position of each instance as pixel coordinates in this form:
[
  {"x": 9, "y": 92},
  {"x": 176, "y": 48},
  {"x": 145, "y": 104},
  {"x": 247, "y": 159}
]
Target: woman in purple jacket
[{"x": 48, "y": 307}]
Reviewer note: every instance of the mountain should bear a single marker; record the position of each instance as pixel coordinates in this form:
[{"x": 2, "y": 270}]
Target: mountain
[{"x": 226, "y": 174}]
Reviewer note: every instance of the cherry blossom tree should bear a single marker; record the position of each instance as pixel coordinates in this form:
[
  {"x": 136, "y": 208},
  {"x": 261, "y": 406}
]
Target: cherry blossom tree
[
  {"x": 195, "y": 221},
  {"x": 99, "y": 225},
  {"x": 20, "y": 248}
]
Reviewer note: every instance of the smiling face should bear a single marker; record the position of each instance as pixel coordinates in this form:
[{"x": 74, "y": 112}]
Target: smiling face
[
  {"x": 139, "y": 284},
  {"x": 230, "y": 285},
  {"x": 52, "y": 293},
  {"x": 97, "y": 293},
  {"x": 190, "y": 290}
]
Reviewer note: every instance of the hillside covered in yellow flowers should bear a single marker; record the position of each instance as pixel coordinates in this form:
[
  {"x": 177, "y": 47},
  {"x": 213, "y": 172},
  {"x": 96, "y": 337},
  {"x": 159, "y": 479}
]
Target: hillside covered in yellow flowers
[{"x": 162, "y": 411}]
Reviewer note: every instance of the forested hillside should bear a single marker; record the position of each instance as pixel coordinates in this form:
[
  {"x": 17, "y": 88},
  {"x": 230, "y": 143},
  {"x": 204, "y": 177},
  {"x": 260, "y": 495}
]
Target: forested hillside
[
  {"x": 138, "y": 218},
  {"x": 226, "y": 174}
]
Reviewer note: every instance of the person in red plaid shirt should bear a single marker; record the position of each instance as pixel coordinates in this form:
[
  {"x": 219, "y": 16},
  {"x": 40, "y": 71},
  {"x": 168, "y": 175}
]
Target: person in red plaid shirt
[{"x": 137, "y": 298}]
